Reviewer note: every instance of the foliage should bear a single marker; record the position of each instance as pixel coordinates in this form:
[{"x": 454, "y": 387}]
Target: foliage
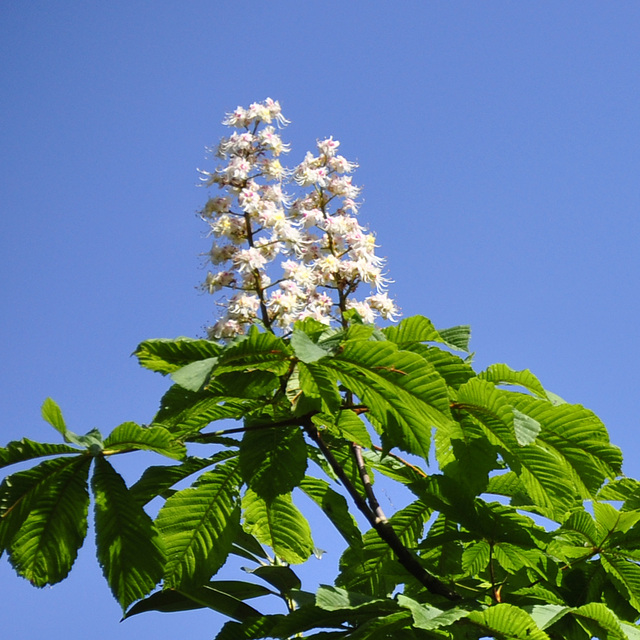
[{"x": 488, "y": 458}]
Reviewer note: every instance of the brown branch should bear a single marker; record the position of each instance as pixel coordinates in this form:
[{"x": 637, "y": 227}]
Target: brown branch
[{"x": 384, "y": 529}]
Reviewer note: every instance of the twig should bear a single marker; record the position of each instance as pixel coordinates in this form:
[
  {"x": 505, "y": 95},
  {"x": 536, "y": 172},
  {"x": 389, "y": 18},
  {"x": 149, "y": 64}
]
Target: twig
[{"x": 384, "y": 529}]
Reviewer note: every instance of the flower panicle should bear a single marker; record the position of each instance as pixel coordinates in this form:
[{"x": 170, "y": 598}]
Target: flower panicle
[{"x": 309, "y": 241}]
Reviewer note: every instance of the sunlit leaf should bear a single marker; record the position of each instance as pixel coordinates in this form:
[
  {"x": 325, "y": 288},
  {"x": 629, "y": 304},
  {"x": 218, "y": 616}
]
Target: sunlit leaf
[
  {"x": 130, "y": 435},
  {"x": 166, "y": 356},
  {"x": 278, "y": 524},
  {"x": 198, "y": 525}
]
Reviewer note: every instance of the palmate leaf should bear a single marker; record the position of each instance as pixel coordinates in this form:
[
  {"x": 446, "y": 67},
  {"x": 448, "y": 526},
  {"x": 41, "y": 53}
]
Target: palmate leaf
[
  {"x": 576, "y": 436},
  {"x": 130, "y": 435},
  {"x": 544, "y": 474},
  {"x": 273, "y": 461},
  {"x": 198, "y": 525},
  {"x": 600, "y": 621},
  {"x": 625, "y": 576},
  {"x": 402, "y": 391},
  {"x": 315, "y": 381},
  {"x": 372, "y": 569},
  {"x": 452, "y": 368},
  {"x": 256, "y": 350},
  {"x": 166, "y": 356},
  {"x": 335, "y": 507},
  {"x": 224, "y": 596},
  {"x": 503, "y": 374},
  {"x": 25, "y": 449},
  {"x": 421, "y": 329},
  {"x": 508, "y": 622},
  {"x": 129, "y": 548},
  {"x": 278, "y": 524},
  {"x": 428, "y": 617},
  {"x": 52, "y": 413},
  {"x": 185, "y": 412},
  {"x": 44, "y": 518},
  {"x": 158, "y": 480}
]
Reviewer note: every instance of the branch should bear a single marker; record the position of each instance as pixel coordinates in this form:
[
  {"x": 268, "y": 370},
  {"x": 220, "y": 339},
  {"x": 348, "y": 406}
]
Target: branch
[
  {"x": 203, "y": 438},
  {"x": 382, "y": 526}
]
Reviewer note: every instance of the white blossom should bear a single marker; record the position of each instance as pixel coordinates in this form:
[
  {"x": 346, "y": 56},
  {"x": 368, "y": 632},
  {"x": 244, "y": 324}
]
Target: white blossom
[{"x": 328, "y": 253}]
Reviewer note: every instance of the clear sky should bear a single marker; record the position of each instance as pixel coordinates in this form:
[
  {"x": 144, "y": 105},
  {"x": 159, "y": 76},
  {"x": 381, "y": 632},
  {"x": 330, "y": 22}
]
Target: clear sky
[{"x": 499, "y": 146}]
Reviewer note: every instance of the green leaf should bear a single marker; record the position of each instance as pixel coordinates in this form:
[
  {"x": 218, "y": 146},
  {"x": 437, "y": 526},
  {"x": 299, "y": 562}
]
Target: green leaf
[
  {"x": 373, "y": 569},
  {"x": 194, "y": 375},
  {"x": 184, "y": 412},
  {"x": 256, "y": 350},
  {"x": 476, "y": 557},
  {"x": 305, "y": 348},
  {"x": 402, "y": 391},
  {"x": 279, "y": 525},
  {"x": 544, "y": 475},
  {"x": 421, "y": 329},
  {"x": 44, "y": 518},
  {"x": 226, "y": 597},
  {"x": 129, "y": 548},
  {"x": 503, "y": 374},
  {"x": 598, "y": 618},
  {"x": 157, "y": 480},
  {"x": 282, "y": 578},
  {"x": 352, "y": 428},
  {"x": 52, "y": 413},
  {"x": 625, "y": 575},
  {"x": 22, "y": 450},
  {"x": 130, "y": 435},
  {"x": 410, "y": 330},
  {"x": 198, "y": 526},
  {"x": 577, "y": 438},
  {"x": 508, "y": 622},
  {"x": 426, "y": 616},
  {"x": 315, "y": 381},
  {"x": 166, "y": 356},
  {"x": 544, "y": 615},
  {"x": 273, "y": 461},
  {"x": 457, "y": 337},
  {"x": 334, "y": 599},
  {"x": 525, "y": 428},
  {"x": 335, "y": 507}
]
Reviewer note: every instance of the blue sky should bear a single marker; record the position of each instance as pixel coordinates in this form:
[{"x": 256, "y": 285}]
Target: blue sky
[{"x": 499, "y": 150}]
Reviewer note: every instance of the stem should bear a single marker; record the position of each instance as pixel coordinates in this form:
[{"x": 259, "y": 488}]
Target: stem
[
  {"x": 382, "y": 526},
  {"x": 495, "y": 591},
  {"x": 258, "y": 279},
  {"x": 374, "y": 505}
]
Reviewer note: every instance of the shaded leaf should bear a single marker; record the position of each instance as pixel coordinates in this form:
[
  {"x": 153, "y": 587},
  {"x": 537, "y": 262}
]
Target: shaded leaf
[
  {"x": 194, "y": 375},
  {"x": 44, "y": 518},
  {"x": 129, "y": 548},
  {"x": 22, "y": 450},
  {"x": 226, "y": 597},
  {"x": 273, "y": 461},
  {"x": 335, "y": 508},
  {"x": 157, "y": 480}
]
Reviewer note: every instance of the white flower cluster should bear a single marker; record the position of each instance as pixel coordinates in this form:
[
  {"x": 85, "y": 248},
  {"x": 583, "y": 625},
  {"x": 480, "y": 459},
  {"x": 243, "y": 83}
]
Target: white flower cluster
[{"x": 323, "y": 251}]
